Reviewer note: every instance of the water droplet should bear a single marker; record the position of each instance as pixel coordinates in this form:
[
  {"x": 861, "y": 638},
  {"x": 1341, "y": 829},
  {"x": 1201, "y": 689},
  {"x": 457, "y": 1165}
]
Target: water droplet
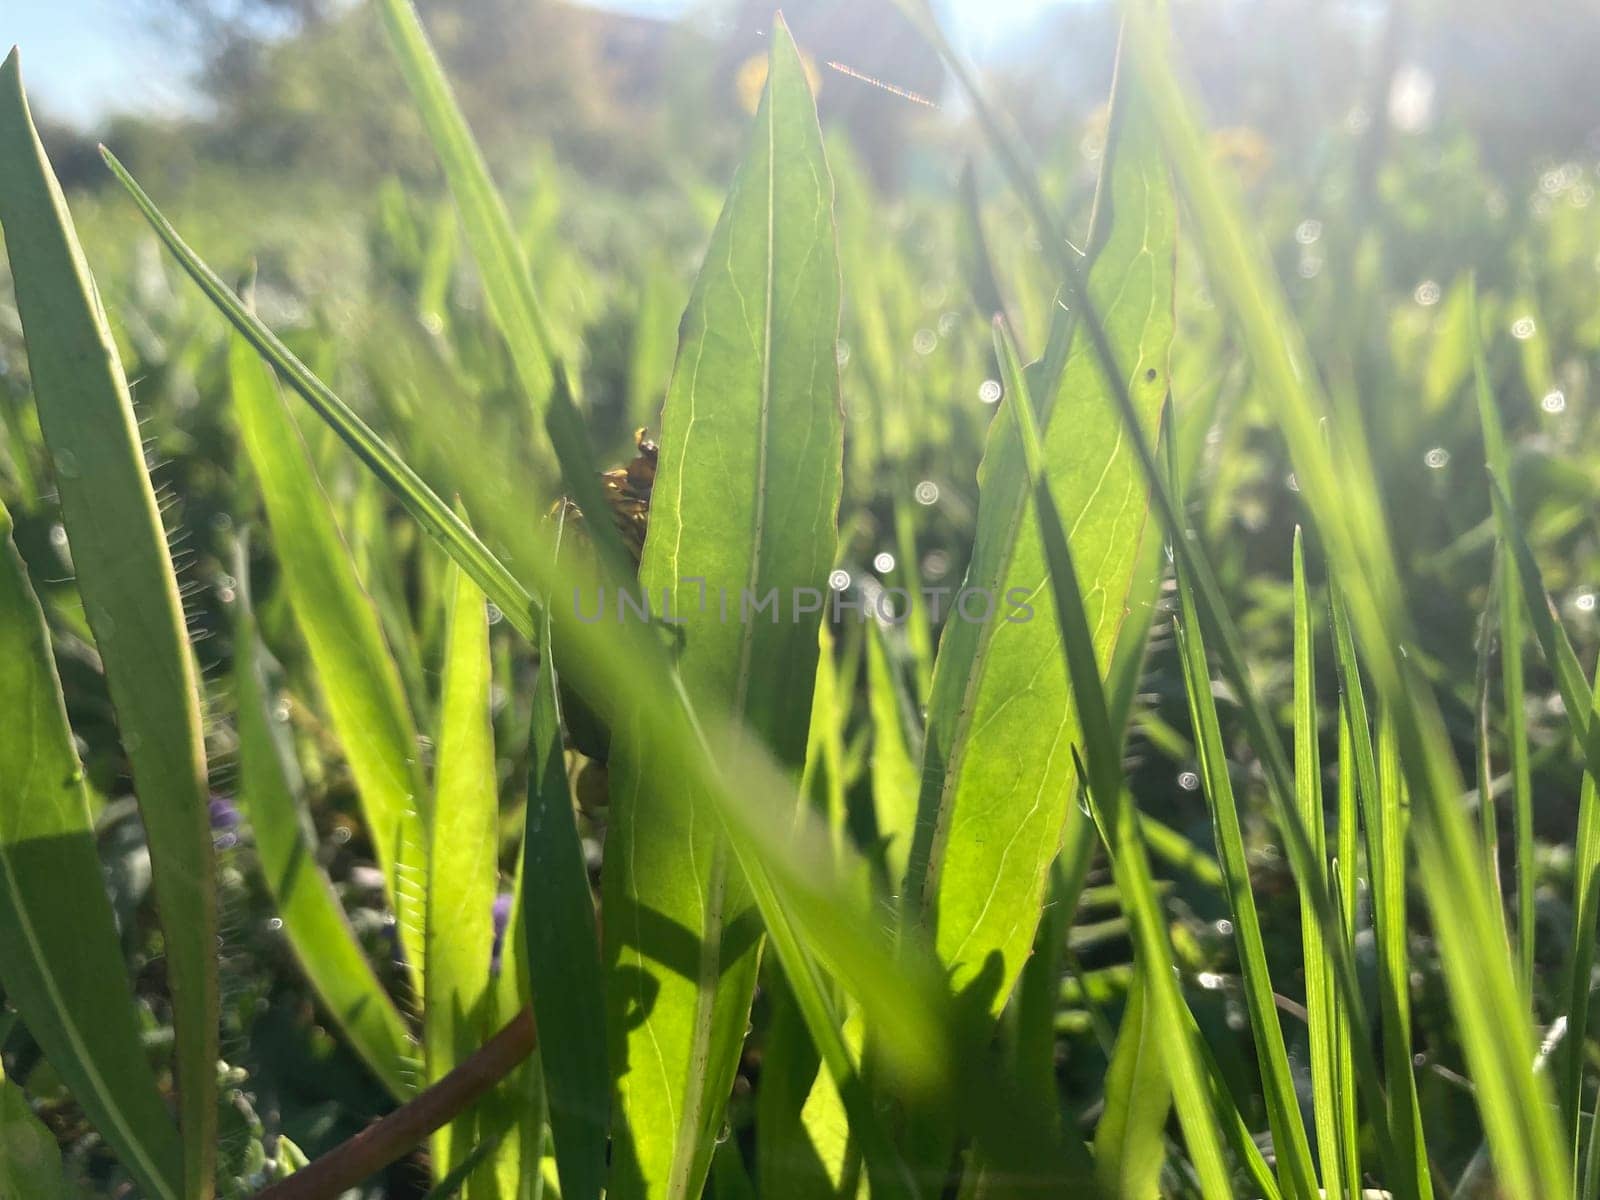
[
  {"x": 1584, "y": 602},
  {"x": 67, "y": 464},
  {"x": 883, "y": 562},
  {"x": 1523, "y": 328},
  {"x": 948, "y": 323},
  {"x": 1209, "y": 980},
  {"x": 924, "y": 340},
  {"x": 1427, "y": 293},
  {"x": 927, "y": 492},
  {"x": 274, "y": 923},
  {"x": 58, "y": 536},
  {"x": 1188, "y": 781},
  {"x": 989, "y": 391},
  {"x": 935, "y": 564},
  {"x": 282, "y": 709},
  {"x": 1292, "y": 482},
  {"x": 1437, "y": 457},
  {"x": 1555, "y": 400},
  {"x": 1225, "y": 927},
  {"x": 495, "y": 615},
  {"x": 839, "y": 580},
  {"x": 1308, "y": 231},
  {"x": 841, "y": 352}
]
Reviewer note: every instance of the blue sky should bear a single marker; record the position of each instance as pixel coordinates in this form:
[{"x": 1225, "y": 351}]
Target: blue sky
[{"x": 84, "y": 58}]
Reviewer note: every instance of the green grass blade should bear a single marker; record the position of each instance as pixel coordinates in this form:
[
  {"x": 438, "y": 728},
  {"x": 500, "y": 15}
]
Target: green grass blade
[
  {"x": 432, "y": 513},
  {"x": 1384, "y": 828},
  {"x": 484, "y": 219},
  {"x": 1129, "y": 1147},
  {"x": 745, "y": 502},
  {"x": 1118, "y": 821},
  {"x": 894, "y": 764},
  {"x": 359, "y": 680},
  {"x": 1581, "y": 709},
  {"x": 313, "y": 920},
  {"x": 129, "y": 592},
  {"x": 1322, "y": 1007},
  {"x": 1509, "y": 617},
  {"x": 1492, "y": 1014},
  {"x": 563, "y": 949},
  {"x": 463, "y": 867},
  {"x": 1347, "y": 879},
  {"x": 59, "y": 955},
  {"x": 1283, "y": 1108},
  {"x": 982, "y": 893}
]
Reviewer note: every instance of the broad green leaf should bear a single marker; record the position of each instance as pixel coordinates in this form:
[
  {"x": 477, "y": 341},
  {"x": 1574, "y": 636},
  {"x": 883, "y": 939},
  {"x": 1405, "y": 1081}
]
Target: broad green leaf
[
  {"x": 359, "y": 680},
  {"x": 563, "y": 953},
  {"x": 59, "y": 956},
  {"x": 745, "y": 503},
  {"x": 130, "y": 595},
  {"x": 997, "y": 781},
  {"x": 1129, "y": 1143},
  {"x": 1337, "y": 483},
  {"x": 30, "y": 1160},
  {"x": 313, "y": 919},
  {"x": 463, "y": 867},
  {"x": 1113, "y": 813},
  {"x": 494, "y": 243}
]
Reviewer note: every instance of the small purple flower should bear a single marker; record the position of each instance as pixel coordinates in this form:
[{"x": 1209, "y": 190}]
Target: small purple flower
[
  {"x": 502, "y": 919},
  {"x": 224, "y": 816}
]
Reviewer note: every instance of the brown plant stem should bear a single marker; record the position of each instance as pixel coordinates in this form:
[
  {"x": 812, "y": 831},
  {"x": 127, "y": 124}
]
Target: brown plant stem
[{"x": 391, "y": 1137}]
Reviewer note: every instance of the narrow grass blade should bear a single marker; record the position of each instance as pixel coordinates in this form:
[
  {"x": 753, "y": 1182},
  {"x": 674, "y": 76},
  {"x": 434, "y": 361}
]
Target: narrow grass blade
[
  {"x": 894, "y": 762},
  {"x": 359, "y": 679},
  {"x": 1508, "y": 613},
  {"x": 313, "y": 920},
  {"x": 130, "y": 595},
  {"x": 463, "y": 867},
  {"x": 1582, "y": 708},
  {"x": 1322, "y": 1007},
  {"x": 1278, "y": 1088},
  {"x": 1001, "y": 675},
  {"x": 1129, "y": 1146},
  {"x": 744, "y": 507},
  {"x": 59, "y": 955},
  {"x": 495, "y": 247},
  {"x": 822, "y": 778},
  {"x": 432, "y": 513},
  {"x": 1338, "y": 486},
  {"x": 563, "y": 952},
  {"x": 1383, "y": 825},
  {"x": 1118, "y": 821}
]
